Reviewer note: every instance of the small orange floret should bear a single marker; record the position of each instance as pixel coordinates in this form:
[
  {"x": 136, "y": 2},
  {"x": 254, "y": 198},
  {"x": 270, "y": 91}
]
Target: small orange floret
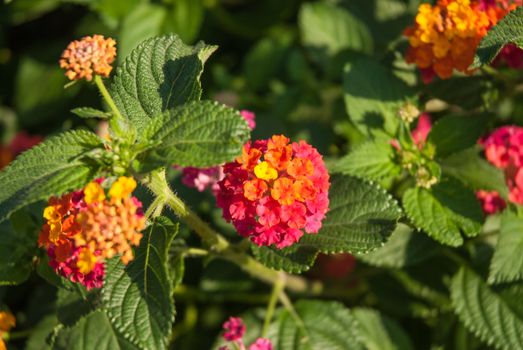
[
  {"x": 93, "y": 192},
  {"x": 300, "y": 167},
  {"x": 254, "y": 189},
  {"x": 249, "y": 157},
  {"x": 82, "y": 59},
  {"x": 279, "y": 152},
  {"x": 283, "y": 192}
]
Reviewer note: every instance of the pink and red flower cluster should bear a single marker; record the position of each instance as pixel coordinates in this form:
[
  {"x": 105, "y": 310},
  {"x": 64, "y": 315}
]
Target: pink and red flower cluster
[
  {"x": 204, "y": 178},
  {"x": 504, "y": 149},
  {"x": 234, "y": 330},
  {"x": 84, "y": 228},
  {"x": 274, "y": 190}
]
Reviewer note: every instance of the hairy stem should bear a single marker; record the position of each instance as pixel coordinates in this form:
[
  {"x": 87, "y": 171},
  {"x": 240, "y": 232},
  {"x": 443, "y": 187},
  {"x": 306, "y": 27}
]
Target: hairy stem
[
  {"x": 219, "y": 246},
  {"x": 277, "y": 288},
  {"x": 117, "y": 120}
]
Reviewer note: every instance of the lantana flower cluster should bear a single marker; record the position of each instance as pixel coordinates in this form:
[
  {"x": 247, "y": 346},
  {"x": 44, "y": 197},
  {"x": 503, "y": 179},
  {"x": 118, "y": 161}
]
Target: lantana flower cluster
[
  {"x": 7, "y": 321},
  {"x": 92, "y": 55},
  {"x": 274, "y": 191},
  {"x": 504, "y": 149},
  {"x": 204, "y": 178},
  {"x": 85, "y": 227},
  {"x": 234, "y": 330},
  {"x": 445, "y": 36}
]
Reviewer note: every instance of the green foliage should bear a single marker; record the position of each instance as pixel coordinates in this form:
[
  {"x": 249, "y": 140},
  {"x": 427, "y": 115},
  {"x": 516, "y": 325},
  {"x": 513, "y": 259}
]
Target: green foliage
[
  {"x": 93, "y": 332},
  {"x": 484, "y": 312},
  {"x": 373, "y": 160},
  {"x": 507, "y": 262},
  {"x": 293, "y": 259},
  {"x": 508, "y": 30},
  {"x": 138, "y": 298},
  {"x": 55, "y": 166},
  {"x": 197, "y": 134},
  {"x": 471, "y": 169},
  {"x": 379, "y": 332},
  {"x": 160, "y": 74},
  {"x": 456, "y": 133},
  {"x": 332, "y": 28},
  {"x": 444, "y": 212},
  {"x": 405, "y": 247},
  {"x": 322, "y": 325},
  {"x": 88, "y": 112},
  {"x": 373, "y": 97}
]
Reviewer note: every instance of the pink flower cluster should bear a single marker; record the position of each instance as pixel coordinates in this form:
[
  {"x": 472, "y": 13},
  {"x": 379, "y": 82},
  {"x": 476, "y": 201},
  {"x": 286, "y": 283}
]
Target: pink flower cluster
[
  {"x": 274, "y": 190},
  {"x": 504, "y": 149},
  {"x": 204, "y": 178},
  {"x": 234, "y": 330},
  {"x": 21, "y": 142}
]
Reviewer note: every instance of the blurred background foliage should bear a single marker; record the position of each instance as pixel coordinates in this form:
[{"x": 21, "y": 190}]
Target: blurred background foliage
[{"x": 286, "y": 60}]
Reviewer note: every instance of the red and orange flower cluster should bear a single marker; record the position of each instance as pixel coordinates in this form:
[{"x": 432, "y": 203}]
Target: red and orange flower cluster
[
  {"x": 7, "y": 321},
  {"x": 445, "y": 36},
  {"x": 504, "y": 149},
  {"x": 89, "y": 56},
  {"x": 86, "y": 227},
  {"x": 274, "y": 190}
]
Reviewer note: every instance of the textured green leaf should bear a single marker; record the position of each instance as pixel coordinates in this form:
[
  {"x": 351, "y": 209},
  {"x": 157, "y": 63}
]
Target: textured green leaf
[
  {"x": 16, "y": 254},
  {"x": 160, "y": 74},
  {"x": 373, "y": 160},
  {"x": 361, "y": 217},
  {"x": 508, "y": 30},
  {"x": 88, "y": 112},
  {"x": 51, "y": 168},
  {"x": 373, "y": 96},
  {"x": 199, "y": 134},
  {"x": 405, "y": 247},
  {"x": 456, "y": 133},
  {"x": 467, "y": 92},
  {"x": 507, "y": 262},
  {"x": 326, "y": 325},
  {"x": 484, "y": 313},
  {"x": 138, "y": 298},
  {"x": 378, "y": 332},
  {"x": 469, "y": 167},
  {"x": 294, "y": 259},
  {"x": 93, "y": 332},
  {"x": 445, "y": 211},
  {"x": 71, "y": 307},
  {"x": 325, "y": 25}
]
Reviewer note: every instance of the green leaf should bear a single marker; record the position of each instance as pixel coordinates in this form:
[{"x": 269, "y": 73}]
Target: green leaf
[
  {"x": 51, "y": 168},
  {"x": 17, "y": 250},
  {"x": 484, "y": 312},
  {"x": 88, "y": 112},
  {"x": 445, "y": 211},
  {"x": 185, "y": 18},
  {"x": 93, "y": 332},
  {"x": 294, "y": 259},
  {"x": 198, "y": 134},
  {"x": 379, "y": 332},
  {"x": 507, "y": 262},
  {"x": 325, "y": 325},
  {"x": 361, "y": 217},
  {"x": 405, "y": 247},
  {"x": 469, "y": 167},
  {"x": 508, "y": 30},
  {"x": 456, "y": 133},
  {"x": 138, "y": 298},
  {"x": 467, "y": 92},
  {"x": 39, "y": 334},
  {"x": 373, "y": 160},
  {"x": 158, "y": 75},
  {"x": 71, "y": 307},
  {"x": 50, "y": 276},
  {"x": 373, "y": 97},
  {"x": 327, "y": 26}
]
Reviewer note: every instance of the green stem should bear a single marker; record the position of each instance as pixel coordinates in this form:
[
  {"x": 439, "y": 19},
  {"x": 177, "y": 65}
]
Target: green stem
[
  {"x": 292, "y": 311},
  {"x": 277, "y": 288},
  {"x": 18, "y": 334},
  {"x": 218, "y": 245},
  {"x": 117, "y": 120},
  {"x": 195, "y": 252}
]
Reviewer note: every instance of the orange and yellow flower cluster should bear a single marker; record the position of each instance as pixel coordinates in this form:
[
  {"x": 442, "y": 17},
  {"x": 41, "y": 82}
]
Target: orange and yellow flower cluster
[
  {"x": 89, "y": 56},
  {"x": 7, "y": 321},
  {"x": 86, "y": 227},
  {"x": 445, "y": 36},
  {"x": 274, "y": 190}
]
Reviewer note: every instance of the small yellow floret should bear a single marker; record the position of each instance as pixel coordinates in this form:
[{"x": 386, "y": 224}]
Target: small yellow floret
[
  {"x": 51, "y": 213},
  {"x": 265, "y": 171},
  {"x": 93, "y": 192},
  {"x": 122, "y": 187},
  {"x": 86, "y": 261}
]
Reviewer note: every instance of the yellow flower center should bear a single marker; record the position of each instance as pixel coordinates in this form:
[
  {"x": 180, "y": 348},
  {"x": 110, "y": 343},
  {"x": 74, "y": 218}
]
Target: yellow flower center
[
  {"x": 265, "y": 171},
  {"x": 93, "y": 192},
  {"x": 86, "y": 261}
]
